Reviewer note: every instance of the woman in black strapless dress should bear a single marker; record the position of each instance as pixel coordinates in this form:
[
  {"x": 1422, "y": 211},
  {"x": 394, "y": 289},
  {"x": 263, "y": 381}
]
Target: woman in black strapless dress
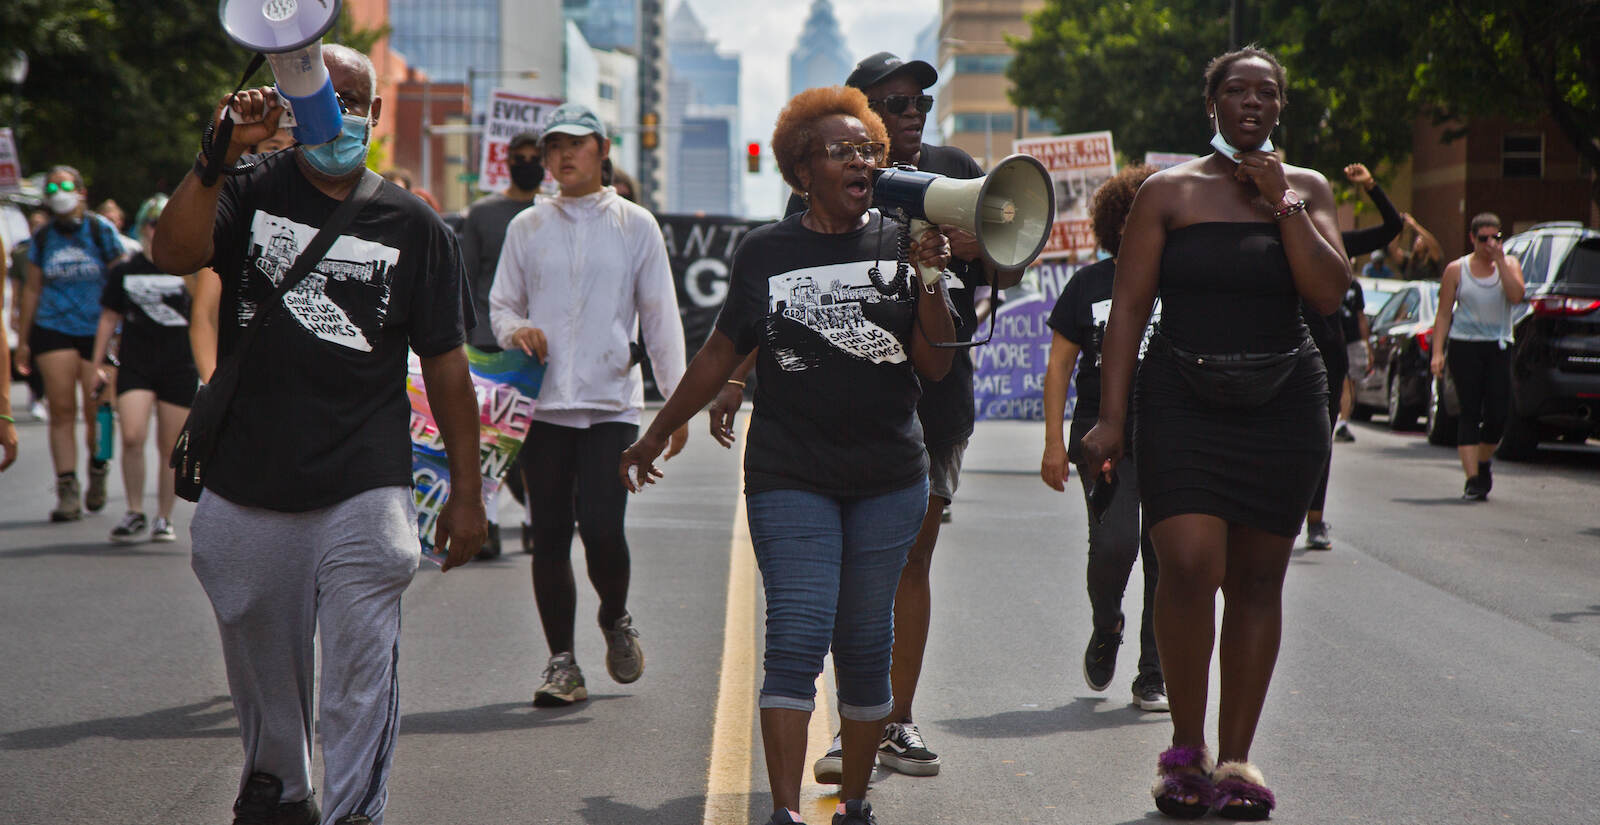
[{"x": 1232, "y": 426}]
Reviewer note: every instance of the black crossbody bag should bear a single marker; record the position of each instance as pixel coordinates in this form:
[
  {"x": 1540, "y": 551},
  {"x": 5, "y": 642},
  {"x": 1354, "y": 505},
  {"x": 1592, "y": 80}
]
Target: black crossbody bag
[
  {"x": 191, "y": 455},
  {"x": 1234, "y": 380}
]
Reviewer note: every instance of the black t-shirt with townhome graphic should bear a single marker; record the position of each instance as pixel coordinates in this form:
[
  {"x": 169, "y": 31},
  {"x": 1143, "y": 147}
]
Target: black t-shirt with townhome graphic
[
  {"x": 1080, "y": 315},
  {"x": 947, "y": 408},
  {"x": 155, "y": 314},
  {"x": 836, "y": 399},
  {"x": 321, "y": 412}
]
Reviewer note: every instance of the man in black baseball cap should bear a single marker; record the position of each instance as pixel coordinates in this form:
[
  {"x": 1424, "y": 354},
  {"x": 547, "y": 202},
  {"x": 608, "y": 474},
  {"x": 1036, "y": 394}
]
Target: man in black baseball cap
[{"x": 880, "y": 67}]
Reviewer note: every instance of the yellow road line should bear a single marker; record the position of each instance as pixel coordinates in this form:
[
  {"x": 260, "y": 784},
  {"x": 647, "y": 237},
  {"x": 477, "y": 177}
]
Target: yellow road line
[
  {"x": 818, "y": 802},
  {"x": 728, "y": 780}
]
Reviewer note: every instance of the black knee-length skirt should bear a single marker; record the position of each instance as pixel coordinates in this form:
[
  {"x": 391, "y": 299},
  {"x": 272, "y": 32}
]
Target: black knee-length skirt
[{"x": 1255, "y": 466}]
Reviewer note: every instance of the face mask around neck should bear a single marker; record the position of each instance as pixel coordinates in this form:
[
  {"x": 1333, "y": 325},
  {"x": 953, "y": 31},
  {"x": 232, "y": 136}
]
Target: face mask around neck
[{"x": 1219, "y": 143}]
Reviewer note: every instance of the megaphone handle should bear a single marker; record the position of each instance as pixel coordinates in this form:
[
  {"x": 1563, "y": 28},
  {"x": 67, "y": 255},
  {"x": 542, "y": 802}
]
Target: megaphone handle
[{"x": 930, "y": 274}]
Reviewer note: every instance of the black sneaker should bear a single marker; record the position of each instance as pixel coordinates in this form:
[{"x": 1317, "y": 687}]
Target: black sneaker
[
  {"x": 903, "y": 750},
  {"x": 1100, "y": 659},
  {"x": 259, "y": 805},
  {"x": 354, "y": 819},
  {"x": 1475, "y": 490},
  {"x": 491, "y": 545},
  {"x": 856, "y": 812},
  {"x": 829, "y": 769},
  {"x": 1342, "y": 433},
  {"x": 1487, "y": 474},
  {"x": 129, "y": 530},
  {"x": 1317, "y": 535},
  {"x": 782, "y": 817},
  {"x": 1150, "y": 693}
]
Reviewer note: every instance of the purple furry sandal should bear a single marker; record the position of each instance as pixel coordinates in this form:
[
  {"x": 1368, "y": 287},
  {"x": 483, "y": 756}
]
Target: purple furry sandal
[
  {"x": 1242, "y": 792},
  {"x": 1184, "y": 771}
]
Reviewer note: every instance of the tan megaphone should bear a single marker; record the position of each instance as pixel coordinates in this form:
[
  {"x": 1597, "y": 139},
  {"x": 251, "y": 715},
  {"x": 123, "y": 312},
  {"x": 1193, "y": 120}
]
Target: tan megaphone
[{"x": 1010, "y": 210}]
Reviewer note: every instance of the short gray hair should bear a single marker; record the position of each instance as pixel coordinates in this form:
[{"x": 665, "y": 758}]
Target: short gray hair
[{"x": 343, "y": 52}]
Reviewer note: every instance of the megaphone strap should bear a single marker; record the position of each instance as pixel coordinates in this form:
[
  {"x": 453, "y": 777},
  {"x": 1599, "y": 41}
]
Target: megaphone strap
[{"x": 214, "y": 149}]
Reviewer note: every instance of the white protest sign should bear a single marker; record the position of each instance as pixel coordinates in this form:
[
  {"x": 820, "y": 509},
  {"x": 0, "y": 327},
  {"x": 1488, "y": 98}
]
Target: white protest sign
[
  {"x": 509, "y": 114},
  {"x": 1078, "y": 164},
  {"x": 10, "y": 164}
]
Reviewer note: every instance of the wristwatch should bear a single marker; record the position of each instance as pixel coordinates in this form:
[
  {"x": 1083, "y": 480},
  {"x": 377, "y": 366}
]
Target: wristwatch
[{"x": 1289, "y": 205}]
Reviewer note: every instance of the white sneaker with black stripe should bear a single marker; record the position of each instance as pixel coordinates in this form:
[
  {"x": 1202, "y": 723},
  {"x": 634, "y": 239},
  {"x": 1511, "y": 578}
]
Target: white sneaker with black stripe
[
  {"x": 904, "y": 751},
  {"x": 829, "y": 770}
]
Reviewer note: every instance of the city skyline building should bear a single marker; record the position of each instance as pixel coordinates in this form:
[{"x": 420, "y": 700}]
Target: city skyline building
[
  {"x": 973, "y": 108},
  {"x": 703, "y": 118},
  {"x": 819, "y": 57},
  {"x": 606, "y": 24}
]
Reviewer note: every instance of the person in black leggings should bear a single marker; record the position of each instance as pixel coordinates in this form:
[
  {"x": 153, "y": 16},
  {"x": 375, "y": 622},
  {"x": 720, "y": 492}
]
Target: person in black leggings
[{"x": 1328, "y": 333}]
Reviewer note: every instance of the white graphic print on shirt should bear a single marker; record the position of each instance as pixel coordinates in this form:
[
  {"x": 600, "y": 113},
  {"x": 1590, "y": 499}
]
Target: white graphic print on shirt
[
  {"x": 149, "y": 293},
  {"x": 1101, "y": 310},
  {"x": 829, "y": 301},
  {"x": 345, "y": 297}
]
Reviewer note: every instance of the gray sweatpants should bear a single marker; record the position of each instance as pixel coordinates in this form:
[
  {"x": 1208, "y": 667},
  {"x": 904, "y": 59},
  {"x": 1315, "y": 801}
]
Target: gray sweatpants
[{"x": 274, "y": 579}]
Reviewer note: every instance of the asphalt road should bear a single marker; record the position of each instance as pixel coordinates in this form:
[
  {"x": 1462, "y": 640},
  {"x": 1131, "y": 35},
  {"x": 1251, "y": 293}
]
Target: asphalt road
[{"x": 1439, "y": 665}]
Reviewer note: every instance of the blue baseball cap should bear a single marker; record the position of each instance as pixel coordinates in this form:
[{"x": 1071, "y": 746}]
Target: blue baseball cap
[{"x": 573, "y": 119}]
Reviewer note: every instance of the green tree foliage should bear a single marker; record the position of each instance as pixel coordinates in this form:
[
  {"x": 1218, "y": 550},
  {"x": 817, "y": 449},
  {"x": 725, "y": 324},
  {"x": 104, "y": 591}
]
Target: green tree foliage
[
  {"x": 118, "y": 88},
  {"x": 1515, "y": 58},
  {"x": 122, "y": 89}
]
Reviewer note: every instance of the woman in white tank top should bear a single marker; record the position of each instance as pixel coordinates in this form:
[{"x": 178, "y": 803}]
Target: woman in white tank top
[{"x": 1476, "y": 294}]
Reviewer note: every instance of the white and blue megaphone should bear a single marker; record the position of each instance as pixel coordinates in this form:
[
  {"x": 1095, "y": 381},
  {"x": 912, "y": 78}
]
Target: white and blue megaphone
[
  {"x": 1010, "y": 210},
  {"x": 289, "y": 33}
]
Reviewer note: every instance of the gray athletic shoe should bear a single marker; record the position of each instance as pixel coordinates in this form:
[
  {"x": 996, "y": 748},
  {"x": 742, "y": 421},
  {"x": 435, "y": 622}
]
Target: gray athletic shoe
[
  {"x": 563, "y": 683},
  {"x": 624, "y": 657}
]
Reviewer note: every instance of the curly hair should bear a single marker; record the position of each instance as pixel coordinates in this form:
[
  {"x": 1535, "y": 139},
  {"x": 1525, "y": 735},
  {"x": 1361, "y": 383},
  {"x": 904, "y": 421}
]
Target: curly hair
[
  {"x": 794, "y": 137},
  {"x": 1217, "y": 70},
  {"x": 1109, "y": 210}
]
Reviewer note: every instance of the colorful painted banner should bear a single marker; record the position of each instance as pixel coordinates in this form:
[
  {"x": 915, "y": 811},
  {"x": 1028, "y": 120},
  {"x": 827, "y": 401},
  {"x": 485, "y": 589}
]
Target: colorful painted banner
[
  {"x": 1008, "y": 372},
  {"x": 507, "y": 384},
  {"x": 1078, "y": 164}
]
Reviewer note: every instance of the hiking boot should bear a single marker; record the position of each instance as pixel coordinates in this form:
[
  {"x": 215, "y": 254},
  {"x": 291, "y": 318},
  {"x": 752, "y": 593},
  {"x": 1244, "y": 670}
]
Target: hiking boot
[
  {"x": 94, "y": 499},
  {"x": 130, "y": 529},
  {"x": 69, "y": 507},
  {"x": 1150, "y": 693},
  {"x": 1475, "y": 489},
  {"x": 161, "y": 531},
  {"x": 563, "y": 683},
  {"x": 829, "y": 770},
  {"x": 856, "y": 812},
  {"x": 624, "y": 657},
  {"x": 903, "y": 750},
  {"x": 258, "y": 804},
  {"x": 1100, "y": 659},
  {"x": 491, "y": 545},
  {"x": 1342, "y": 433},
  {"x": 1317, "y": 535}
]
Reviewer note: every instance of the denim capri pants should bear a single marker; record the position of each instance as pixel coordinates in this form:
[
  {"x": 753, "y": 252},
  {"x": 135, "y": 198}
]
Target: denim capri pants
[{"x": 829, "y": 567}]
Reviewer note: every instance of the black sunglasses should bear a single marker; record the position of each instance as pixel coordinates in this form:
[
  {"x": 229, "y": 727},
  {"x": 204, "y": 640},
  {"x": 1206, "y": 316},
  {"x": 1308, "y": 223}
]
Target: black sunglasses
[
  {"x": 1495, "y": 237},
  {"x": 897, "y": 104}
]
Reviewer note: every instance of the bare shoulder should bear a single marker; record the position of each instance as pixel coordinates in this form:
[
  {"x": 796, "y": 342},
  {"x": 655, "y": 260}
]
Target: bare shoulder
[{"x": 1307, "y": 180}]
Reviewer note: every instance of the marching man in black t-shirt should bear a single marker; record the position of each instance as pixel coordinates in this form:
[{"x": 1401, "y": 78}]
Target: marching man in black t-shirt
[
  {"x": 1116, "y": 537},
  {"x": 307, "y": 521},
  {"x": 897, "y": 92}
]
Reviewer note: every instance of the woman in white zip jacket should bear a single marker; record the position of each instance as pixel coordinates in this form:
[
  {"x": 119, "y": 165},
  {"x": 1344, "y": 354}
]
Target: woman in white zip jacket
[{"x": 580, "y": 275}]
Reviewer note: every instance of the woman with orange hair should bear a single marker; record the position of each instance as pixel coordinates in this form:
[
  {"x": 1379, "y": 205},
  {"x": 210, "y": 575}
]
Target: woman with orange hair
[{"x": 836, "y": 477}]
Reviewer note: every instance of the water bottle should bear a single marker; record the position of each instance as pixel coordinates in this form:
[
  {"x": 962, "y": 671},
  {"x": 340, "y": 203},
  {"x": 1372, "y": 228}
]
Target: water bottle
[{"x": 106, "y": 431}]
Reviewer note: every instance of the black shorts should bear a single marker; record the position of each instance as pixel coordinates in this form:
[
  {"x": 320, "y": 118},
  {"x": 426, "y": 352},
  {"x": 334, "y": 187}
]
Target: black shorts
[
  {"x": 43, "y": 339},
  {"x": 173, "y": 383}
]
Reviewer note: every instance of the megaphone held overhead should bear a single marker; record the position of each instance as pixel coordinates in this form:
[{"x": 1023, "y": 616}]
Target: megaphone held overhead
[
  {"x": 1010, "y": 210},
  {"x": 289, "y": 33}
]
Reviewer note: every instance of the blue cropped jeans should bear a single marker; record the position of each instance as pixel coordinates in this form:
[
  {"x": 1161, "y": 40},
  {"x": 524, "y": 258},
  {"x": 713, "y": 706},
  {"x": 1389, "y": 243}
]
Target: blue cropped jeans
[{"x": 829, "y": 567}]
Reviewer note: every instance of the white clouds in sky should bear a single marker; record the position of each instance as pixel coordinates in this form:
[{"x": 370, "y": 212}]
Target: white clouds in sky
[{"x": 763, "y": 32}]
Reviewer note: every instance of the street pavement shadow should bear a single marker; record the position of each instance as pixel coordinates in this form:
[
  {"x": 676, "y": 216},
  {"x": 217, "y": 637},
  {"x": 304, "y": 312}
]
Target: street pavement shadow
[
  {"x": 504, "y": 716},
  {"x": 209, "y": 719},
  {"x": 1569, "y": 618},
  {"x": 603, "y": 810},
  {"x": 99, "y": 549},
  {"x": 1082, "y": 714},
  {"x": 1455, "y": 500}
]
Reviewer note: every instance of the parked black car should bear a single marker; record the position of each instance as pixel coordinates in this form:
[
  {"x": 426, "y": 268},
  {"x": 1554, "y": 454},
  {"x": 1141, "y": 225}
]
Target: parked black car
[
  {"x": 1555, "y": 358},
  {"x": 1401, "y": 381}
]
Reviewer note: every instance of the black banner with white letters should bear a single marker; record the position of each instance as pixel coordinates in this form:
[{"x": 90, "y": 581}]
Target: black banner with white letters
[{"x": 700, "y": 249}]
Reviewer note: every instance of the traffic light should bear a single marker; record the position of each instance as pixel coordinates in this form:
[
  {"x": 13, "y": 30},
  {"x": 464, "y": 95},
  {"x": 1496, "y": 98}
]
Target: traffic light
[
  {"x": 753, "y": 158},
  {"x": 649, "y": 133}
]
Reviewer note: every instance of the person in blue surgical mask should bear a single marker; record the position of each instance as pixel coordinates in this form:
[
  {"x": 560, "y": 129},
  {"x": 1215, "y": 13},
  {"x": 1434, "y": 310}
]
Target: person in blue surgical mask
[{"x": 307, "y": 520}]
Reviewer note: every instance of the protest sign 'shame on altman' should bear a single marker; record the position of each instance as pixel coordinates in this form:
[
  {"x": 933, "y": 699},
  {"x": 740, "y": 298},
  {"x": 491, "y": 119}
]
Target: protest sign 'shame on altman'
[
  {"x": 1078, "y": 164},
  {"x": 509, "y": 113}
]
